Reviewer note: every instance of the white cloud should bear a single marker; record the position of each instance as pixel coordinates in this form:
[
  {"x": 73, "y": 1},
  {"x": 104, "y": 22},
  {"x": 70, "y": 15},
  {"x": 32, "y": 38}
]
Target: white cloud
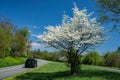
[
  {"x": 42, "y": 47},
  {"x": 34, "y": 35},
  {"x": 30, "y": 31},
  {"x": 35, "y": 44}
]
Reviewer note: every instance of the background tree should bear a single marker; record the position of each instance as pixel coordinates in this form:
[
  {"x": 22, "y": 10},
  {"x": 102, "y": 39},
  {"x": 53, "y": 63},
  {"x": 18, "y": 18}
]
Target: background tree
[
  {"x": 5, "y": 37},
  {"x": 74, "y": 36},
  {"x": 110, "y": 12},
  {"x": 112, "y": 59},
  {"x": 13, "y": 41},
  {"x": 24, "y": 32},
  {"x": 20, "y": 43},
  {"x": 118, "y": 50},
  {"x": 92, "y": 58}
]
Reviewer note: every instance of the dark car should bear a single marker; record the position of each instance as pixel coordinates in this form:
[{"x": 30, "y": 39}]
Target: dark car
[{"x": 30, "y": 63}]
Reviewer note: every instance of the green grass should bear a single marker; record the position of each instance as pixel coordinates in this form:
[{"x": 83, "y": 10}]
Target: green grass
[
  {"x": 59, "y": 71},
  {"x": 10, "y": 61}
]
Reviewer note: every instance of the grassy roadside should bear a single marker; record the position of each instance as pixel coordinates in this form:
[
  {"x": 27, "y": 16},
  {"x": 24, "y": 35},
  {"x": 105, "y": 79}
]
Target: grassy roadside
[
  {"x": 58, "y": 71},
  {"x": 10, "y": 61}
]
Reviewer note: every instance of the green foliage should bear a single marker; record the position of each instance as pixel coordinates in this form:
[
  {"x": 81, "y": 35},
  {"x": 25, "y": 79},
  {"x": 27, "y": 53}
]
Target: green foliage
[
  {"x": 92, "y": 58},
  {"x": 13, "y": 42},
  {"x": 51, "y": 56},
  {"x": 58, "y": 71},
  {"x": 118, "y": 50},
  {"x": 112, "y": 59},
  {"x": 19, "y": 43},
  {"x": 5, "y": 39},
  {"x": 10, "y": 61},
  {"x": 43, "y": 55},
  {"x": 48, "y": 56}
]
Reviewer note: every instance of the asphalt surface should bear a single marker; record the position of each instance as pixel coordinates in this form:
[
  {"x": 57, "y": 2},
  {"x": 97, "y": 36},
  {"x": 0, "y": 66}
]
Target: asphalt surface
[
  {"x": 13, "y": 70},
  {"x": 106, "y": 68}
]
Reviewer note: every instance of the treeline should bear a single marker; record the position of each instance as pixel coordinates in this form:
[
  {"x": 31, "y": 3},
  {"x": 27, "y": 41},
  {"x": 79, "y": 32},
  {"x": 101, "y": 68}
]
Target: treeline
[
  {"x": 13, "y": 42},
  {"x": 52, "y": 56},
  {"x": 59, "y": 56},
  {"x": 111, "y": 59}
]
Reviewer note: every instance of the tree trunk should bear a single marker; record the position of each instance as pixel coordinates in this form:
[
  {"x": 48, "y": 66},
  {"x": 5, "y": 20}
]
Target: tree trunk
[
  {"x": 74, "y": 69},
  {"x": 73, "y": 60}
]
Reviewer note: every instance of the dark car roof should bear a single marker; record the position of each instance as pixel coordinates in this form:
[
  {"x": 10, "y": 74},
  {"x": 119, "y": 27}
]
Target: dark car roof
[{"x": 30, "y": 59}]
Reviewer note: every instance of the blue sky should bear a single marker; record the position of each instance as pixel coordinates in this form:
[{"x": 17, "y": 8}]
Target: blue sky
[{"x": 36, "y": 14}]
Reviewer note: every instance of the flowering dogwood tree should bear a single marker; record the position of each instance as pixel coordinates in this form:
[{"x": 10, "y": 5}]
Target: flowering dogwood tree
[{"x": 75, "y": 35}]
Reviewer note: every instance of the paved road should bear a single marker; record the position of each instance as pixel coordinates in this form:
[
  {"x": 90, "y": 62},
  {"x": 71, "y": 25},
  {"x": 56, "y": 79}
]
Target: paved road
[
  {"x": 13, "y": 70},
  {"x": 106, "y": 68}
]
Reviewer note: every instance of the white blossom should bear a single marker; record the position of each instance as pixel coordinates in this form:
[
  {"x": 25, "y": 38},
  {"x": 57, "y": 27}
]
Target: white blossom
[{"x": 82, "y": 31}]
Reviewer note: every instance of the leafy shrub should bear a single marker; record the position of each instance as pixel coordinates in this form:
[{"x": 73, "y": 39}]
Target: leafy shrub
[
  {"x": 112, "y": 59},
  {"x": 48, "y": 56},
  {"x": 10, "y": 61},
  {"x": 92, "y": 58}
]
